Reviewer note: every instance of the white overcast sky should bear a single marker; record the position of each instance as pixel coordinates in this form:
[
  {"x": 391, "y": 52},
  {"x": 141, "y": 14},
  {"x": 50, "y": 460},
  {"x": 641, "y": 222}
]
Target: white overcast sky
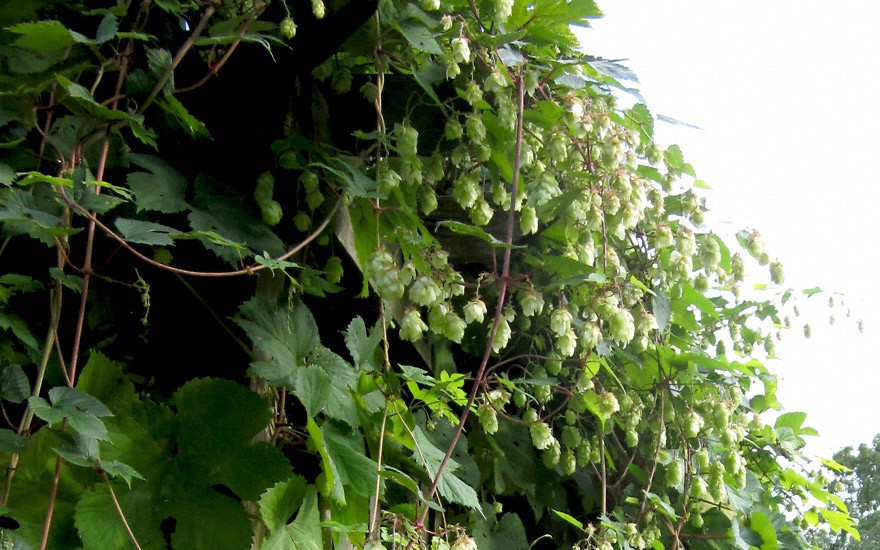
[{"x": 787, "y": 94}]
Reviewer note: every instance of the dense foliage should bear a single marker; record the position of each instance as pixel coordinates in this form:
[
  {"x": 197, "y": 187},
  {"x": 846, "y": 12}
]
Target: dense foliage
[
  {"x": 369, "y": 273},
  {"x": 859, "y": 484}
]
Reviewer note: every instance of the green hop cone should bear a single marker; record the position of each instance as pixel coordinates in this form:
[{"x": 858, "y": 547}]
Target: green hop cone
[
  {"x": 318, "y": 9},
  {"x": 777, "y": 275},
  {"x": 560, "y": 321},
  {"x": 488, "y": 418},
  {"x": 412, "y": 327},
  {"x": 475, "y": 310},
  {"x": 264, "y": 189},
  {"x": 502, "y": 336},
  {"x": 287, "y": 28},
  {"x": 542, "y": 436},
  {"x": 272, "y": 212}
]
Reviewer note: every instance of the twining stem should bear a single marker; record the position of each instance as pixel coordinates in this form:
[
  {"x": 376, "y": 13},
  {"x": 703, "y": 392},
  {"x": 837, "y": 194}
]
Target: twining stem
[
  {"x": 215, "y": 68},
  {"x": 119, "y": 508},
  {"x": 480, "y": 377},
  {"x": 178, "y": 57},
  {"x": 249, "y": 270}
]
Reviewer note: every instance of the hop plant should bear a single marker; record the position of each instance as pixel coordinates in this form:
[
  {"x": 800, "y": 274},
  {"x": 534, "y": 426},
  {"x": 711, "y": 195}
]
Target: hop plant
[
  {"x": 560, "y": 321},
  {"x": 502, "y": 336},
  {"x": 318, "y": 9},
  {"x": 542, "y": 435},
  {"x": 412, "y": 327},
  {"x": 622, "y": 326},
  {"x": 503, "y": 9},
  {"x": 385, "y": 275},
  {"x": 461, "y": 50},
  {"x": 425, "y": 292},
  {"x": 531, "y": 302},
  {"x": 287, "y": 28},
  {"x": 474, "y": 310},
  {"x": 488, "y": 418}
]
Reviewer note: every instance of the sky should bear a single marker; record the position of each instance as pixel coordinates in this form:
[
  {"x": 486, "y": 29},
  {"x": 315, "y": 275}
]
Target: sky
[{"x": 787, "y": 98}]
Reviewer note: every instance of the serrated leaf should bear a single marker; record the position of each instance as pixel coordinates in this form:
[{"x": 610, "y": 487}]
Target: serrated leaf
[
  {"x": 305, "y": 531},
  {"x": 280, "y": 501},
  {"x": 41, "y": 36},
  {"x": 159, "y": 61},
  {"x": 75, "y": 400},
  {"x": 11, "y": 442},
  {"x": 114, "y": 468},
  {"x": 362, "y": 346},
  {"x": 217, "y": 214},
  {"x": 162, "y": 189},
  {"x": 340, "y": 402},
  {"x": 353, "y": 470},
  {"x": 286, "y": 336},
  {"x": 14, "y": 384},
  {"x": 138, "y": 231},
  {"x": 451, "y": 488},
  {"x": 312, "y": 386}
]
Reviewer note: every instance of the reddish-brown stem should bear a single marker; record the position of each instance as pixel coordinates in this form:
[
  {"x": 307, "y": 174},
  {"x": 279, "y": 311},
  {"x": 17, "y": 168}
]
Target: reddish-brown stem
[
  {"x": 53, "y": 493},
  {"x": 250, "y": 270},
  {"x": 118, "y": 507},
  {"x": 215, "y": 68},
  {"x": 480, "y": 378},
  {"x": 181, "y": 53}
]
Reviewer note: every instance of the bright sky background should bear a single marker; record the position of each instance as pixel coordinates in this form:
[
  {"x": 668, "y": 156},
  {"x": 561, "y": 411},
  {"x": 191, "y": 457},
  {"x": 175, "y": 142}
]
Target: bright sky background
[{"x": 787, "y": 94}]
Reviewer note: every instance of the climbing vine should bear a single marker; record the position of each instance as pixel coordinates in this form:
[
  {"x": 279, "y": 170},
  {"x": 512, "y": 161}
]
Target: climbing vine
[{"x": 434, "y": 287}]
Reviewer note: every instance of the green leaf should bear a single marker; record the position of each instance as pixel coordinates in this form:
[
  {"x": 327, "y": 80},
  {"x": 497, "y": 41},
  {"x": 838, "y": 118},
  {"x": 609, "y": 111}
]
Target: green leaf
[
  {"x": 41, "y": 36},
  {"x": 171, "y": 105},
  {"x": 461, "y": 228},
  {"x": 362, "y": 346},
  {"x": 105, "y": 380},
  {"x": 14, "y": 384},
  {"x": 569, "y": 519},
  {"x": 162, "y": 189},
  {"x": 507, "y": 534},
  {"x": 218, "y": 214},
  {"x": 305, "y": 531},
  {"x": 340, "y": 402},
  {"x": 421, "y": 38},
  {"x": 285, "y": 336},
  {"x": 312, "y": 386},
  {"x": 662, "y": 309},
  {"x": 83, "y": 102},
  {"x": 218, "y": 420},
  {"x": 99, "y": 526},
  {"x": 106, "y": 31},
  {"x": 75, "y": 400},
  {"x": 352, "y": 469},
  {"x": 761, "y": 524},
  {"x": 11, "y": 442},
  {"x": 137, "y": 231},
  {"x": 114, "y": 468},
  {"x": 280, "y": 501},
  {"x": 451, "y": 488}
]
